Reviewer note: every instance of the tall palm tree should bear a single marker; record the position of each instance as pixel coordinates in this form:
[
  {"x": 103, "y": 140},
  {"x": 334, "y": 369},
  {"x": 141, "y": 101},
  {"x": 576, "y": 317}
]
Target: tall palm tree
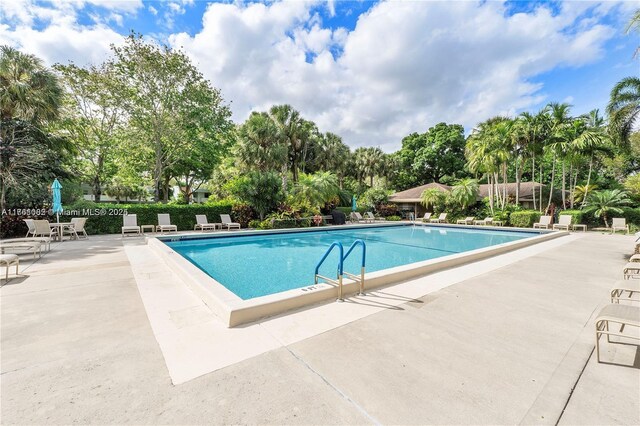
[
  {"x": 333, "y": 155},
  {"x": 369, "y": 162},
  {"x": 560, "y": 121},
  {"x": 532, "y": 131},
  {"x": 594, "y": 138},
  {"x": 28, "y": 90},
  {"x": 260, "y": 144},
  {"x": 296, "y": 131},
  {"x": 624, "y": 109}
]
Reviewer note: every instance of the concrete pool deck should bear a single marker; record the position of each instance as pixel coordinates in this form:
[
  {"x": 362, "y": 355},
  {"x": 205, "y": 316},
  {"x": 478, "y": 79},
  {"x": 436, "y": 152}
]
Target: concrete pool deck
[{"x": 507, "y": 341}]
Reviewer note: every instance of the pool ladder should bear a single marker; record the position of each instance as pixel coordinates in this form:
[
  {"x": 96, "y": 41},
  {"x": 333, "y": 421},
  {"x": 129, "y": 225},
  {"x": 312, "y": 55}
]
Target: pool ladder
[{"x": 340, "y": 270}]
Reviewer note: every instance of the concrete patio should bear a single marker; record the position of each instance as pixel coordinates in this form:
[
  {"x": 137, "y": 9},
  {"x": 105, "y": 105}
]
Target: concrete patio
[{"x": 510, "y": 343}]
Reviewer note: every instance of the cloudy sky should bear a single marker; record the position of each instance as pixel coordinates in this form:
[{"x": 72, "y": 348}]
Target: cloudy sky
[{"x": 369, "y": 71}]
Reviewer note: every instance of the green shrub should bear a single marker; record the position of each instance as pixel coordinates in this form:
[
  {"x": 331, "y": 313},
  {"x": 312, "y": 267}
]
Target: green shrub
[
  {"x": 107, "y": 218},
  {"x": 386, "y": 210},
  {"x": 394, "y": 218},
  {"x": 524, "y": 218},
  {"x": 243, "y": 214},
  {"x": 576, "y": 215},
  {"x": 631, "y": 215},
  {"x": 255, "y": 224}
]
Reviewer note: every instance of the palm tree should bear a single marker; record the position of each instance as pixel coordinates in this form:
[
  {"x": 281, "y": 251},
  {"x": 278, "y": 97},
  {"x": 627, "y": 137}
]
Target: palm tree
[
  {"x": 295, "y": 131},
  {"x": 624, "y": 108},
  {"x": 634, "y": 25},
  {"x": 333, "y": 155},
  {"x": 432, "y": 197},
  {"x": 593, "y": 139},
  {"x": 261, "y": 146},
  {"x": 560, "y": 120},
  {"x": 317, "y": 189},
  {"x": 603, "y": 203},
  {"x": 465, "y": 192},
  {"x": 368, "y": 162},
  {"x": 582, "y": 191},
  {"x": 29, "y": 91}
]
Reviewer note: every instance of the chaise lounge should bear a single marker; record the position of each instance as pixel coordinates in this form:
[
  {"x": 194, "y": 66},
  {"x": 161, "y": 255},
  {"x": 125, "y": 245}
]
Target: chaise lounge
[
  {"x": 564, "y": 222},
  {"x": 130, "y": 225},
  {"x": 202, "y": 223},
  {"x": 617, "y": 317},
  {"x": 543, "y": 223},
  {"x": 226, "y": 221},
  {"x": 164, "y": 224}
]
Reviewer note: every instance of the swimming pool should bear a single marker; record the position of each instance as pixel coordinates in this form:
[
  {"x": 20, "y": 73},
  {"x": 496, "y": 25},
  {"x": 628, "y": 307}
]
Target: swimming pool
[{"x": 252, "y": 266}]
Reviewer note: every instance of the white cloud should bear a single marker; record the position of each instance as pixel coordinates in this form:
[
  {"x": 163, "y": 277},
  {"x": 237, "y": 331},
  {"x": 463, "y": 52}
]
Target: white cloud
[{"x": 405, "y": 66}]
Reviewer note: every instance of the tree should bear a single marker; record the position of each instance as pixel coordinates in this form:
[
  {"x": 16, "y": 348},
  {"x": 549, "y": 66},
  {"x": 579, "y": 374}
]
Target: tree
[
  {"x": 632, "y": 185},
  {"x": 295, "y": 132},
  {"x": 432, "y": 197},
  {"x": 92, "y": 117},
  {"x": 30, "y": 97},
  {"x": 333, "y": 155},
  {"x": 594, "y": 138},
  {"x": 559, "y": 144},
  {"x": 260, "y": 145},
  {"x": 30, "y": 91},
  {"x": 261, "y": 190},
  {"x": 169, "y": 103},
  {"x": 441, "y": 153},
  {"x": 465, "y": 192},
  {"x": 624, "y": 109},
  {"x": 603, "y": 203},
  {"x": 368, "y": 163},
  {"x": 316, "y": 189}
]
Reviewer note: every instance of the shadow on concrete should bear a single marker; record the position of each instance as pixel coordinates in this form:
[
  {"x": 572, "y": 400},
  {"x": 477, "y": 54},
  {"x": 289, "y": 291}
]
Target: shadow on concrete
[
  {"x": 391, "y": 296},
  {"x": 356, "y": 301}
]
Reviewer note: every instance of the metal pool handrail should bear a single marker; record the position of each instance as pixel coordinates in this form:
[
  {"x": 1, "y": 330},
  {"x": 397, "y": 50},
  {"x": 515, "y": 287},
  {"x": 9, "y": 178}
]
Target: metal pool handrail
[
  {"x": 359, "y": 279},
  {"x": 338, "y": 282}
]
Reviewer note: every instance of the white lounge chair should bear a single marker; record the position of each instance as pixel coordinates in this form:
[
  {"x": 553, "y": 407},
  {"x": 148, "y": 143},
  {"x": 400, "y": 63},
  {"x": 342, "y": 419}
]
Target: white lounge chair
[
  {"x": 631, "y": 270},
  {"x": 466, "y": 221},
  {"x": 543, "y": 223},
  {"x": 634, "y": 258},
  {"x": 619, "y": 224},
  {"x": 372, "y": 218},
  {"x": 8, "y": 260},
  {"x": 77, "y": 226},
  {"x": 32, "y": 227},
  {"x": 226, "y": 221},
  {"x": 426, "y": 217},
  {"x": 130, "y": 225},
  {"x": 22, "y": 245},
  {"x": 618, "y": 316},
  {"x": 164, "y": 224},
  {"x": 625, "y": 290},
  {"x": 440, "y": 219},
  {"x": 204, "y": 225},
  {"x": 564, "y": 222}
]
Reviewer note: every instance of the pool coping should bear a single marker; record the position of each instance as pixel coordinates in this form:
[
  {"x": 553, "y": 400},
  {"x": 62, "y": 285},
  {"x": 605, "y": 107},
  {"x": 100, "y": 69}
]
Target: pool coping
[{"x": 234, "y": 311}]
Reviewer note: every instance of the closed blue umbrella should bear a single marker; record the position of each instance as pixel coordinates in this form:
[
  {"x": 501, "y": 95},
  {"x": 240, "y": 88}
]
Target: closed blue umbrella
[
  {"x": 354, "y": 206},
  {"x": 57, "y": 198}
]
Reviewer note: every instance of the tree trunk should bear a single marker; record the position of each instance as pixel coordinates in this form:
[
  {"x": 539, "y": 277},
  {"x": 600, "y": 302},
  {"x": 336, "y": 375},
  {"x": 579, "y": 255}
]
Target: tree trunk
[
  {"x": 533, "y": 180},
  {"x": 371, "y": 181},
  {"x": 285, "y": 170},
  {"x": 553, "y": 176},
  {"x": 564, "y": 185},
  {"x": 517, "y": 182},
  {"x": 586, "y": 189}
]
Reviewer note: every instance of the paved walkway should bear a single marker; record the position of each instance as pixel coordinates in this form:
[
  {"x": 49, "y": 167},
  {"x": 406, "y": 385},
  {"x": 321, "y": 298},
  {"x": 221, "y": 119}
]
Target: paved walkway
[{"x": 504, "y": 347}]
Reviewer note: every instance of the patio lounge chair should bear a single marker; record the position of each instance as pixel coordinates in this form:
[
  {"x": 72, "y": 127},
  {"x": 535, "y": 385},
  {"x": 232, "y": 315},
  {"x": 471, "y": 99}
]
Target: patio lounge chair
[
  {"x": 484, "y": 222},
  {"x": 77, "y": 226},
  {"x": 204, "y": 225},
  {"x": 8, "y": 260},
  {"x": 368, "y": 216},
  {"x": 22, "y": 244},
  {"x": 226, "y": 221},
  {"x": 440, "y": 219},
  {"x": 543, "y": 223},
  {"x": 631, "y": 270},
  {"x": 32, "y": 227},
  {"x": 634, "y": 258},
  {"x": 130, "y": 225},
  {"x": 564, "y": 221},
  {"x": 355, "y": 217},
  {"x": 618, "y": 316},
  {"x": 466, "y": 221},
  {"x": 626, "y": 290},
  {"x": 619, "y": 224},
  {"x": 164, "y": 224},
  {"x": 426, "y": 217}
]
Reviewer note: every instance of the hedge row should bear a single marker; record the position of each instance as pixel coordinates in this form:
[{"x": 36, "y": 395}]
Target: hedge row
[
  {"x": 107, "y": 218},
  {"x": 576, "y": 215},
  {"x": 524, "y": 218}
]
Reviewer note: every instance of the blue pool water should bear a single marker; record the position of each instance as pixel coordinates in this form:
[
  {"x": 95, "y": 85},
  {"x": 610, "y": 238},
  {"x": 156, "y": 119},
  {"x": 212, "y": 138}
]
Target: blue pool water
[{"x": 256, "y": 265}]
